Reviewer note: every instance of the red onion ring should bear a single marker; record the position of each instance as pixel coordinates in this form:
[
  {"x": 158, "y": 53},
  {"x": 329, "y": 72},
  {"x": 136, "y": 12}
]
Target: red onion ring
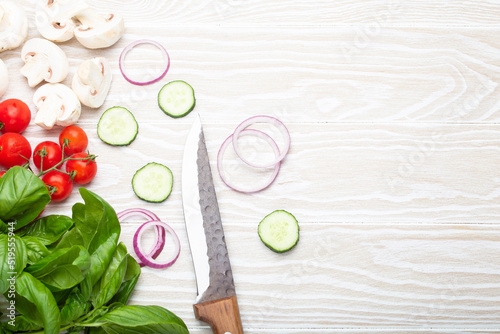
[
  {"x": 164, "y": 52},
  {"x": 160, "y": 235},
  {"x": 144, "y": 257},
  {"x": 262, "y": 119},
  {"x": 227, "y": 142},
  {"x": 137, "y": 212}
]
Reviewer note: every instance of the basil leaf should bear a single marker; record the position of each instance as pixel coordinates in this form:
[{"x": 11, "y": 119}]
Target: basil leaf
[
  {"x": 22, "y": 196},
  {"x": 6, "y": 331},
  {"x": 63, "y": 269},
  {"x": 13, "y": 259},
  {"x": 61, "y": 296},
  {"x": 71, "y": 238},
  {"x": 92, "y": 318},
  {"x": 142, "y": 319},
  {"x": 129, "y": 281},
  {"x": 112, "y": 278},
  {"x": 3, "y": 227},
  {"x": 47, "y": 229},
  {"x": 42, "y": 299},
  {"x": 22, "y": 324},
  {"x": 35, "y": 249},
  {"x": 99, "y": 228},
  {"x": 76, "y": 306}
]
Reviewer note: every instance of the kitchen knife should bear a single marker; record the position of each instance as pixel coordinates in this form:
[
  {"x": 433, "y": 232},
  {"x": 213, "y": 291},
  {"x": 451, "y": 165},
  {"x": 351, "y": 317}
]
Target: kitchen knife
[{"x": 216, "y": 302}]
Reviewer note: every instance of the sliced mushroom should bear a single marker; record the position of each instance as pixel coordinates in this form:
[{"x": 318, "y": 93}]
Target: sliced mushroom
[
  {"x": 44, "y": 61},
  {"x": 92, "y": 81},
  {"x": 57, "y": 105},
  {"x": 13, "y": 25},
  {"x": 54, "y": 18},
  {"x": 98, "y": 31},
  {"x": 4, "y": 78}
]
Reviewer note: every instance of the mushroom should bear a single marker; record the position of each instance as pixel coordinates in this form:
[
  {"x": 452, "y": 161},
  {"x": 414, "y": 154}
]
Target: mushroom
[
  {"x": 54, "y": 18},
  {"x": 98, "y": 31},
  {"x": 4, "y": 78},
  {"x": 13, "y": 25},
  {"x": 57, "y": 105},
  {"x": 92, "y": 81},
  {"x": 44, "y": 61}
]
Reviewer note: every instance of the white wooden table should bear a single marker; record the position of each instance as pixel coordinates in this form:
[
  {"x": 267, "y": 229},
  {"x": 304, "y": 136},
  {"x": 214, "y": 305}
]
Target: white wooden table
[{"x": 393, "y": 108}]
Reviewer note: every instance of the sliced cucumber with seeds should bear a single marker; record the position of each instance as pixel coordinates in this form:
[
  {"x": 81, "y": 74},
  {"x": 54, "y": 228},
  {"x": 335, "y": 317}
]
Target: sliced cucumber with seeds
[
  {"x": 176, "y": 99},
  {"x": 279, "y": 231},
  {"x": 153, "y": 182},
  {"x": 117, "y": 126}
]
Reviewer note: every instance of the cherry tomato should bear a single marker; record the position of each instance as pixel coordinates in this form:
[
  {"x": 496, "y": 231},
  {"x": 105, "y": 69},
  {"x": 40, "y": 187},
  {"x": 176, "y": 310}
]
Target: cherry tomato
[
  {"x": 15, "y": 150},
  {"x": 59, "y": 184},
  {"x": 2, "y": 173},
  {"x": 76, "y": 138},
  {"x": 51, "y": 153},
  {"x": 84, "y": 170},
  {"x": 15, "y": 116}
]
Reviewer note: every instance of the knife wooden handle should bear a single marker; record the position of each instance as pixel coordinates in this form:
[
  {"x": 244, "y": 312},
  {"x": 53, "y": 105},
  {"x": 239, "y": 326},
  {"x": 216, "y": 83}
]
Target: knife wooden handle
[{"x": 223, "y": 315}]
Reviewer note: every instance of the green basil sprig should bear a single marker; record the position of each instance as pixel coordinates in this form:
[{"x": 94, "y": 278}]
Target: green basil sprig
[{"x": 68, "y": 273}]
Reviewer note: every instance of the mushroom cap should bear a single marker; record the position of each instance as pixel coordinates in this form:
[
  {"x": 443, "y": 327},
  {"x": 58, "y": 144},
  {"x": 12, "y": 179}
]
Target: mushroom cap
[
  {"x": 99, "y": 31},
  {"x": 13, "y": 25},
  {"x": 4, "y": 78},
  {"x": 66, "y": 112},
  {"x": 92, "y": 81},
  {"x": 54, "y": 18},
  {"x": 44, "y": 61}
]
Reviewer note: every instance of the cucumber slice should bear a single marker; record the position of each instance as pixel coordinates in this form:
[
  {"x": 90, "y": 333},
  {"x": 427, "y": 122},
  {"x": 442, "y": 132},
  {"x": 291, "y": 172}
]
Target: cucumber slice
[
  {"x": 153, "y": 182},
  {"x": 176, "y": 99},
  {"x": 279, "y": 231},
  {"x": 117, "y": 126}
]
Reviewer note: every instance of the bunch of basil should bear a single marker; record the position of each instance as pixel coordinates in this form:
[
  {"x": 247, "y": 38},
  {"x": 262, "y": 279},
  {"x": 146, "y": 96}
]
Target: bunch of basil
[{"x": 68, "y": 274}]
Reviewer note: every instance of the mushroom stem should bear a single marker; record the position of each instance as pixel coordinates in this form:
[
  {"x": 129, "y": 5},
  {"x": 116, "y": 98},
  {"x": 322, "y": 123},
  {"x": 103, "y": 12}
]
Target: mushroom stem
[
  {"x": 57, "y": 105},
  {"x": 46, "y": 117},
  {"x": 91, "y": 74},
  {"x": 44, "y": 61},
  {"x": 92, "y": 81},
  {"x": 35, "y": 71}
]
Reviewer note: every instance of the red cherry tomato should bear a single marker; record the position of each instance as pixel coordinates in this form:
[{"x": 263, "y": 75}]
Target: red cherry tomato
[
  {"x": 2, "y": 173},
  {"x": 15, "y": 116},
  {"x": 50, "y": 152},
  {"x": 84, "y": 170},
  {"x": 59, "y": 184},
  {"x": 15, "y": 150},
  {"x": 76, "y": 138}
]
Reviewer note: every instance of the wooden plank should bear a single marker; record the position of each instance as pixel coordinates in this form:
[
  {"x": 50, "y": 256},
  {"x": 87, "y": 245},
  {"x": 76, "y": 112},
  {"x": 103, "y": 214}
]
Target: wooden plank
[
  {"x": 302, "y": 12},
  {"x": 306, "y": 74},
  {"x": 333, "y": 173},
  {"x": 349, "y": 277},
  {"x": 393, "y": 110}
]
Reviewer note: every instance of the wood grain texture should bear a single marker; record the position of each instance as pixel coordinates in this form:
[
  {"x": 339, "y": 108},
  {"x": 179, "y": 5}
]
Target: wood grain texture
[
  {"x": 366, "y": 13},
  {"x": 223, "y": 315},
  {"x": 346, "y": 173},
  {"x": 355, "y": 277},
  {"x": 393, "y": 170},
  {"x": 306, "y": 74}
]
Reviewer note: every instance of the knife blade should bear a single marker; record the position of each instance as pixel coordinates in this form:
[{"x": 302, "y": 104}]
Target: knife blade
[{"x": 216, "y": 302}]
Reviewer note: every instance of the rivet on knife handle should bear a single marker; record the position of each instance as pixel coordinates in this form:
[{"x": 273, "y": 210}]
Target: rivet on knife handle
[{"x": 222, "y": 315}]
